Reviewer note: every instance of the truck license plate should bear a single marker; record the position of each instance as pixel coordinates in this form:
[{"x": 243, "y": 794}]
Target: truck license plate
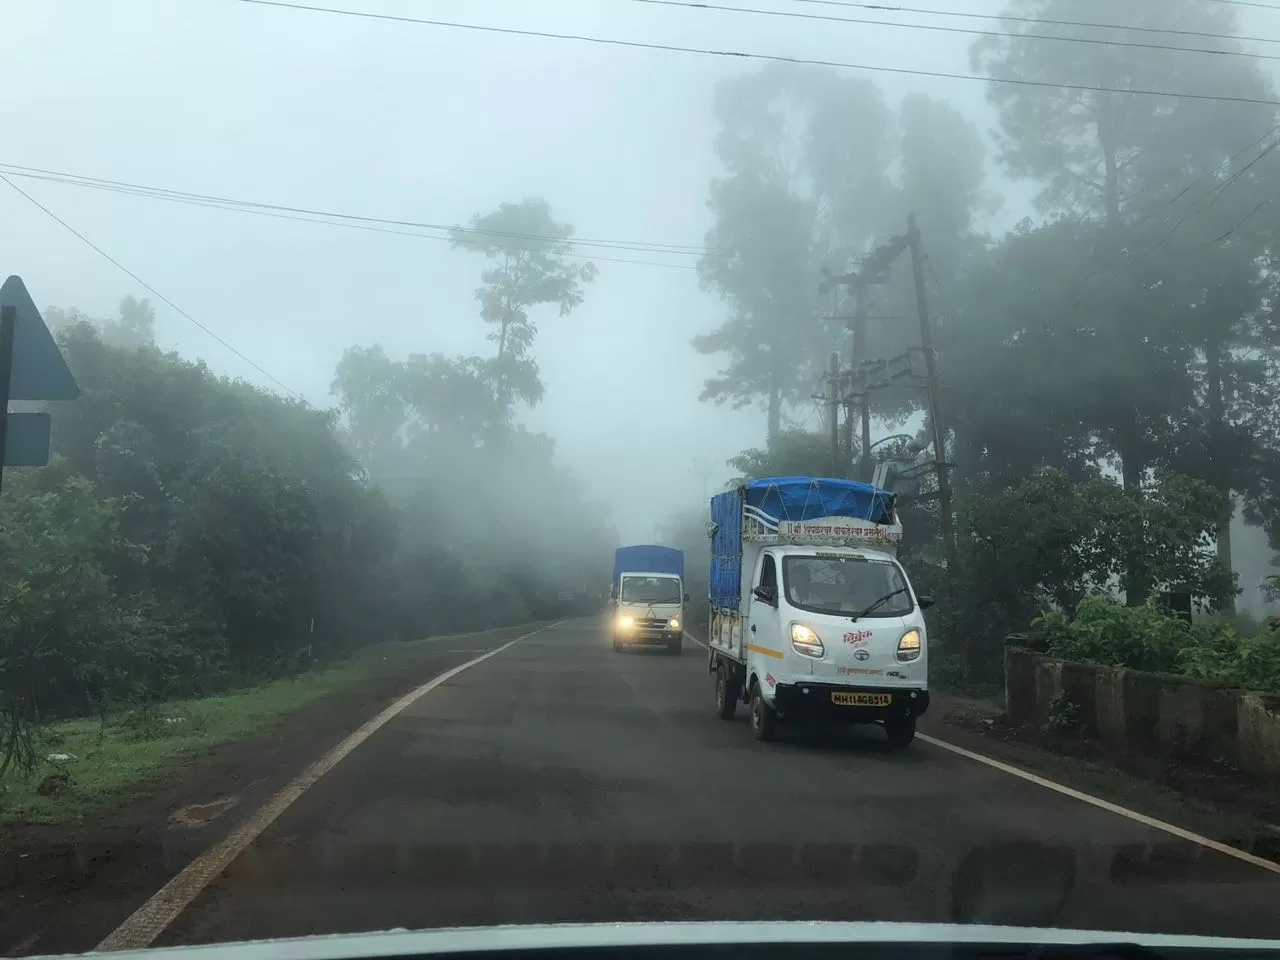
[{"x": 861, "y": 699}]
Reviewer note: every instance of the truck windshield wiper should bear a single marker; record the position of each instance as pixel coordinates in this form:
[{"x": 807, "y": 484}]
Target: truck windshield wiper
[{"x": 878, "y": 604}]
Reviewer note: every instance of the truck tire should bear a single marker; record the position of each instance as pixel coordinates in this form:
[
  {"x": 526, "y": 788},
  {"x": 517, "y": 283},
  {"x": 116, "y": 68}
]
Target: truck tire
[
  {"x": 764, "y": 721},
  {"x": 617, "y": 644},
  {"x": 900, "y": 730},
  {"x": 727, "y": 692},
  {"x": 676, "y": 646}
]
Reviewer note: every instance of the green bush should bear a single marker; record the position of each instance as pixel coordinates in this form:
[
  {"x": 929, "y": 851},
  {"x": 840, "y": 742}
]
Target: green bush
[
  {"x": 1149, "y": 638},
  {"x": 193, "y": 533}
]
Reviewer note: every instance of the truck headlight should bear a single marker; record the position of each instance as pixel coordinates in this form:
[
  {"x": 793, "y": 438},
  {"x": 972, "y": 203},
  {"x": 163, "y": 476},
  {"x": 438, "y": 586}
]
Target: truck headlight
[
  {"x": 909, "y": 645},
  {"x": 626, "y": 622},
  {"x": 805, "y": 641},
  {"x": 674, "y": 623}
]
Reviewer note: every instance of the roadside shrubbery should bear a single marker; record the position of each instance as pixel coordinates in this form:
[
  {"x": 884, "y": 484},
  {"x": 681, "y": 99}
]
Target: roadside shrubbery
[
  {"x": 1149, "y": 638},
  {"x": 193, "y": 533}
]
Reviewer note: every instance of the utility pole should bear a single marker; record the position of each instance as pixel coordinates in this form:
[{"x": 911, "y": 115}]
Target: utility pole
[
  {"x": 931, "y": 368},
  {"x": 8, "y": 323},
  {"x": 833, "y": 407},
  {"x": 860, "y": 351},
  {"x": 703, "y": 467},
  {"x": 873, "y": 270}
]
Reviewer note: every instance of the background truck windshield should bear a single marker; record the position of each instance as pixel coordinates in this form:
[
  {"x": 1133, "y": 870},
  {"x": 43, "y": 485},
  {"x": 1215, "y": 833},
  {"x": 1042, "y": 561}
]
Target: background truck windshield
[
  {"x": 651, "y": 589},
  {"x": 830, "y": 584}
]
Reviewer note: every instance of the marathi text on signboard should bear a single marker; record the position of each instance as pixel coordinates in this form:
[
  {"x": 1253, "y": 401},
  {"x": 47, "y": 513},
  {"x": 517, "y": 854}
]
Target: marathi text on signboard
[{"x": 842, "y": 529}]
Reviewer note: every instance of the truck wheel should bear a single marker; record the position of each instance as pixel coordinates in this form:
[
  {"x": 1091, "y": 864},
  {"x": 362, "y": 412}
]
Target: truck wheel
[
  {"x": 727, "y": 692},
  {"x": 900, "y": 730},
  {"x": 617, "y": 644},
  {"x": 674, "y": 647},
  {"x": 764, "y": 720}
]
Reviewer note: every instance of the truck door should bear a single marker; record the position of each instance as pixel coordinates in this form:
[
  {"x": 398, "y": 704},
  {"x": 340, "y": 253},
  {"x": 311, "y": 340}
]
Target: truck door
[{"x": 763, "y": 639}]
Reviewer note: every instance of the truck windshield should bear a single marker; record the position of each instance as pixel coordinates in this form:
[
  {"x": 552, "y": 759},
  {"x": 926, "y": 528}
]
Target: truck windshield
[
  {"x": 651, "y": 589},
  {"x": 845, "y": 585}
]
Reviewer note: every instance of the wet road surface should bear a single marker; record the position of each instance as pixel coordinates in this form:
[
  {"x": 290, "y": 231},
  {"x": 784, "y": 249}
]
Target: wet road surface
[{"x": 561, "y": 781}]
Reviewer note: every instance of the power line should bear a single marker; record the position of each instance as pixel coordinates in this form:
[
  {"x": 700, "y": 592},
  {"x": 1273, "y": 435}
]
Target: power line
[
  {"x": 304, "y": 215},
  {"x": 692, "y": 5},
  {"x": 740, "y": 55},
  {"x": 177, "y": 309},
  {"x": 1249, "y": 3},
  {"x": 638, "y": 245},
  {"x": 1044, "y": 21},
  {"x": 1201, "y": 203}
]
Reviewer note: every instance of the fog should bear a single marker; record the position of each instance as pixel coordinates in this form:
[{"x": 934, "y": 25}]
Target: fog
[
  {"x": 411, "y": 122},
  {"x": 407, "y": 121},
  {"x": 447, "y": 307}
]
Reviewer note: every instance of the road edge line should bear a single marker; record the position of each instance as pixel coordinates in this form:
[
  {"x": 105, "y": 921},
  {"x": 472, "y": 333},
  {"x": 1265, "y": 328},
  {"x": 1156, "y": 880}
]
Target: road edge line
[
  {"x": 1107, "y": 805},
  {"x": 1080, "y": 795},
  {"x": 141, "y": 927}
]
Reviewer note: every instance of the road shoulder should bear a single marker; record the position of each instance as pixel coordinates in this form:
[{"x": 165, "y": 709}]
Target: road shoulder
[
  {"x": 1207, "y": 802},
  {"x": 64, "y": 886}
]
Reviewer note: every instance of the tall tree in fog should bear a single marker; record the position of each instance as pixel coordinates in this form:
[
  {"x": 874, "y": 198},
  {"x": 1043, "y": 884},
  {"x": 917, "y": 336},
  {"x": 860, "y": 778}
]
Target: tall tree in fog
[
  {"x": 532, "y": 263},
  {"x": 1147, "y": 181},
  {"x": 940, "y": 176},
  {"x": 804, "y": 154}
]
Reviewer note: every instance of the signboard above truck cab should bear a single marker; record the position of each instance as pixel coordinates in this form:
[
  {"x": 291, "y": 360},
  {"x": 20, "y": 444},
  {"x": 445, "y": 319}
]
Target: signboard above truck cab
[{"x": 795, "y": 510}]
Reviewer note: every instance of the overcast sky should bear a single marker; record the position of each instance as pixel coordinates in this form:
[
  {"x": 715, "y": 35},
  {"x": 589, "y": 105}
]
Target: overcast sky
[{"x": 422, "y": 123}]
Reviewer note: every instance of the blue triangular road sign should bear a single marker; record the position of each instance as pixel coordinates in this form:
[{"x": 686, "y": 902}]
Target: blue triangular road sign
[{"x": 39, "y": 371}]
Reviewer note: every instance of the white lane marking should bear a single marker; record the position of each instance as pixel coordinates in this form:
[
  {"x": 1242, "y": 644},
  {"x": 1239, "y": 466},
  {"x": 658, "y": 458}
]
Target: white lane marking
[
  {"x": 1141, "y": 818},
  {"x": 149, "y": 920},
  {"x": 696, "y": 640}
]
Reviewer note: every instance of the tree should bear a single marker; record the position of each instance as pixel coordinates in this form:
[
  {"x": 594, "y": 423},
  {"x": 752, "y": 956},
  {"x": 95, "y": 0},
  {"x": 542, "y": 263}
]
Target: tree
[
  {"x": 1131, "y": 169},
  {"x": 803, "y": 152},
  {"x": 533, "y": 263},
  {"x": 817, "y": 170},
  {"x": 1049, "y": 542},
  {"x": 791, "y": 453}
]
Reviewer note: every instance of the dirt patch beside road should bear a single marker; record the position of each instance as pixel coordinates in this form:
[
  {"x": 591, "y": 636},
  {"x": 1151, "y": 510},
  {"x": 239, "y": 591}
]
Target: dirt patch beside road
[{"x": 65, "y": 886}]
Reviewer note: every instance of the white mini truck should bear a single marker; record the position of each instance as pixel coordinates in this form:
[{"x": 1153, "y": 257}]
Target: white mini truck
[{"x": 811, "y": 613}]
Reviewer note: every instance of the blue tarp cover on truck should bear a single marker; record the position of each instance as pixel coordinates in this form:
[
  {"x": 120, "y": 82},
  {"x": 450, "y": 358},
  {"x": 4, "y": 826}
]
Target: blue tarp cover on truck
[
  {"x": 648, "y": 558},
  {"x": 783, "y": 498}
]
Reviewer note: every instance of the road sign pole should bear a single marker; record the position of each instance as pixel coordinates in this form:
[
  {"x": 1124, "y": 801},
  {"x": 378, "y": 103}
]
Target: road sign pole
[{"x": 8, "y": 321}]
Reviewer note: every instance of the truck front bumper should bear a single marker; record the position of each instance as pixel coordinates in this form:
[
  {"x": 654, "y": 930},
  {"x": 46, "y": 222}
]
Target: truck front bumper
[
  {"x": 819, "y": 701},
  {"x": 648, "y": 636}
]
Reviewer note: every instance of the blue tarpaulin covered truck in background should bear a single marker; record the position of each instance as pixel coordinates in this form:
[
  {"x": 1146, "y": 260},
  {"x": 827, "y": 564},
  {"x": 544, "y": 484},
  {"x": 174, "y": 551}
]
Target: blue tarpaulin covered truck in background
[{"x": 647, "y": 596}]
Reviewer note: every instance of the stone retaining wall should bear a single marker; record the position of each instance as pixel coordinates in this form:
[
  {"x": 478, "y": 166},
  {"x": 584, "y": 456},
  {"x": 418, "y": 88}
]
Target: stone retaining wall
[{"x": 1171, "y": 716}]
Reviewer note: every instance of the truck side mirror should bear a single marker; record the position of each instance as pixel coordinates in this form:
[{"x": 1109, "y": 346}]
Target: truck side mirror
[
  {"x": 925, "y": 602},
  {"x": 686, "y": 598},
  {"x": 764, "y": 595},
  {"x": 613, "y": 593}
]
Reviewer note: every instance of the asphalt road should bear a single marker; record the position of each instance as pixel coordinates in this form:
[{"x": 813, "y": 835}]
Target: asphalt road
[{"x": 560, "y": 781}]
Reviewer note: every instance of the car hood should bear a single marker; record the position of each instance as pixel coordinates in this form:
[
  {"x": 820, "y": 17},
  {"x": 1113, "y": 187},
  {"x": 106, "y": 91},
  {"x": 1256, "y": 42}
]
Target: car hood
[{"x": 400, "y": 942}]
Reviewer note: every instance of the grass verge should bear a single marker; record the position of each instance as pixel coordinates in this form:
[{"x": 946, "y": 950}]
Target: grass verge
[{"x": 105, "y": 758}]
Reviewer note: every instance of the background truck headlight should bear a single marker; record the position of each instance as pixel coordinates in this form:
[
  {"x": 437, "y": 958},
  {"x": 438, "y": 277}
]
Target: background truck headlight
[
  {"x": 909, "y": 646},
  {"x": 674, "y": 623},
  {"x": 805, "y": 641}
]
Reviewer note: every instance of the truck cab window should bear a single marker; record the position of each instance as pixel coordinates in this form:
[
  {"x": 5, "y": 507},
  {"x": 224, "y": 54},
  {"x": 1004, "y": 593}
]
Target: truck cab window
[
  {"x": 769, "y": 576},
  {"x": 837, "y": 585},
  {"x": 651, "y": 590}
]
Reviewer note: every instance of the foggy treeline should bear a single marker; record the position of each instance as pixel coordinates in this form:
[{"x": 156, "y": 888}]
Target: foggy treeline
[
  {"x": 193, "y": 532},
  {"x": 1108, "y": 372},
  {"x": 1108, "y": 367}
]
